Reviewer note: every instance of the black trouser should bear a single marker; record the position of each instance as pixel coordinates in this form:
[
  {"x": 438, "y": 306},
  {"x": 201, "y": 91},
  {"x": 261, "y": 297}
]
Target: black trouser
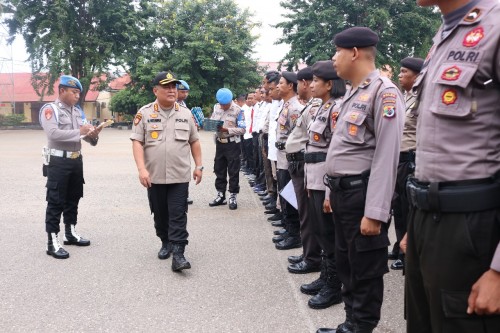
[
  {"x": 64, "y": 190},
  {"x": 256, "y": 152},
  {"x": 322, "y": 225},
  {"x": 400, "y": 204},
  {"x": 310, "y": 246},
  {"x": 290, "y": 214},
  {"x": 444, "y": 258},
  {"x": 361, "y": 260},
  {"x": 227, "y": 162},
  {"x": 248, "y": 154},
  {"x": 168, "y": 203}
]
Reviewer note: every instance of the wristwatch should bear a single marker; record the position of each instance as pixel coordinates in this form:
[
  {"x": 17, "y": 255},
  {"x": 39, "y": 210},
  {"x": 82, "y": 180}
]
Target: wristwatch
[{"x": 201, "y": 168}]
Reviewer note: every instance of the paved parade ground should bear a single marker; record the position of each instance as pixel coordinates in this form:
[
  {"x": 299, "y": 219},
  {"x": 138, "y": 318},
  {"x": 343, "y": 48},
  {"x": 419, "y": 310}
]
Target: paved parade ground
[{"x": 238, "y": 282}]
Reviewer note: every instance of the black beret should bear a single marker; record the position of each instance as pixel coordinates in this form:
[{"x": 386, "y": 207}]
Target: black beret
[
  {"x": 305, "y": 74},
  {"x": 356, "y": 37},
  {"x": 290, "y": 76},
  {"x": 324, "y": 69},
  {"x": 163, "y": 78},
  {"x": 415, "y": 64}
]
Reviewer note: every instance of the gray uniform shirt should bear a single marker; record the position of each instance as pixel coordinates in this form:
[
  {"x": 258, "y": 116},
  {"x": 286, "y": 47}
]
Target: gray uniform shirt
[
  {"x": 166, "y": 135},
  {"x": 319, "y": 136},
  {"x": 368, "y": 137},
  {"x": 298, "y": 137},
  {"x": 459, "y": 118},
  {"x": 234, "y": 120},
  {"x": 410, "y": 128},
  {"x": 286, "y": 120},
  {"x": 65, "y": 133}
]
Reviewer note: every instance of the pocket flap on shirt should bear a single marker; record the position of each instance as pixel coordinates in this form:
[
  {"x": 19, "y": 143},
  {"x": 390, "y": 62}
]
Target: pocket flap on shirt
[
  {"x": 355, "y": 117},
  {"x": 456, "y": 74}
]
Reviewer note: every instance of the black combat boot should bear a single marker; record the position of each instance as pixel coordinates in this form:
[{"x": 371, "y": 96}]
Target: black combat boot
[
  {"x": 331, "y": 293},
  {"x": 314, "y": 287},
  {"x": 179, "y": 262},
  {"x": 346, "y": 327},
  {"x": 72, "y": 238},
  {"x": 165, "y": 251},
  {"x": 219, "y": 200},
  {"x": 232, "y": 201},
  {"x": 54, "y": 247}
]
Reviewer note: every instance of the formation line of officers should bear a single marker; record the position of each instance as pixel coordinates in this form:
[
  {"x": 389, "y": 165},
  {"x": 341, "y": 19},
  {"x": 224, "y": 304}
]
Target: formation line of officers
[{"x": 355, "y": 150}]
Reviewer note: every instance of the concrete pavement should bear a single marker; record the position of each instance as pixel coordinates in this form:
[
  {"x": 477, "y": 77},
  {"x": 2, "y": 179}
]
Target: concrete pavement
[{"x": 239, "y": 282}]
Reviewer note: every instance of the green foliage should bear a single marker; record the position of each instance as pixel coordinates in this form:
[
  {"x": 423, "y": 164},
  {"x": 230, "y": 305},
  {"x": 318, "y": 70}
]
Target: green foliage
[
  {"x": 404, "y": 28},
  {"x": 207, "y": 43},
  {"x": 128, "y": 101},
  {"x": 11, "y": 119},
  {"x": 77, "y": 37}
]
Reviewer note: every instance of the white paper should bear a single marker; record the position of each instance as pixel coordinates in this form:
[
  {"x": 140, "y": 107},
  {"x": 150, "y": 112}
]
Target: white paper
[{"x": 288, "y": 193}]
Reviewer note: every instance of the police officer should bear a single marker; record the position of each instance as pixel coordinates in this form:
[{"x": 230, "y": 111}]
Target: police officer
[
  {"x": 288, "y": 115},
  {"x": 453, "y": 255},
  {"x": 295, "y": 145},
  {"x": 227, "y": 148},
  {"x": 64, "y": 124},
  {"x": 163, "y": 136},
  {"x": 410, "y": 67},
  {"x": 329, "y": 88},
  {"x": 361, "y": 168}
]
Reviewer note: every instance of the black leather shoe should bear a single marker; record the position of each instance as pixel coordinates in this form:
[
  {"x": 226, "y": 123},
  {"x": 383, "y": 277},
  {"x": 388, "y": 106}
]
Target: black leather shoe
[
  {"x": 279, "y": 232},
  {"x": 278, "y": 224},
  {"x": 272, "y": 211},
  {"x": 276, "y": 217},
  {"x": 268, "y": 202},
  {"x": 289, "y": 243},
  {"x": 232, "y": 202},
  {"x": 219, "y": 200},
  {"x": 179, "y": 262},
  {"x": 262, "y": 194},
  {"x": 295, "y": 259},
  {"x": 165, "y": 251},
  {"x": 392, "y": 255},
  {"x": 303, "y": 268},
  {"x": 325, "y": 298},
  {"x": 270, "y": 206},
  {"x": 280, "y": 238},
  {"x": 314, "y": 287},
  {"x": 72, "y": 238},
  {"x": 398, "y": 265},
  {"x": 265, "y": 197},
  {"x": 342, "y": 328}
]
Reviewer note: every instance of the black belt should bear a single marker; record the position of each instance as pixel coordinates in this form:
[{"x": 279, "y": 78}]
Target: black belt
[
  {"x": 295, "y": 157},
  {"x": 455, "y": 197},
  {"x": 314, "y": 157},
  {"x": 407, "y": 156},
  {"x": 347, "y": 182},
  {"x": 279, "y": 145}
]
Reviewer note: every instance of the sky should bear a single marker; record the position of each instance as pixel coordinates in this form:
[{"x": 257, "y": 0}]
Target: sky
[{"x": 267, "y": 12}]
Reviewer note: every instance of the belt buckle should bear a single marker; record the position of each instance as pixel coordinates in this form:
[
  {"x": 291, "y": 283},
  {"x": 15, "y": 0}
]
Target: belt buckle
[{"x": 74, "y": 154}]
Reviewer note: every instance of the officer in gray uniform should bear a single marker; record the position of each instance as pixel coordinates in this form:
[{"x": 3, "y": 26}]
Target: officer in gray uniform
[
  {"x": 65, "y": 124},
  {"x": 361, "y": 166},
  {"x": 288, "y": 115},
  {"x": 163, "y": 136},
  {"x": 410, "y": 67},
  {"x": 329, "y": 88},
  {"x": 453, "y": 254},
  {"x": 295, "y": 147},
  {"x": 227, "y": 148}
]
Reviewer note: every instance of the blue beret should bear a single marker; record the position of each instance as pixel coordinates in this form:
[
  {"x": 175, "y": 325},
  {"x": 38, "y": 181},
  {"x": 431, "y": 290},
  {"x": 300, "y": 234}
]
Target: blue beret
[
  {"x": 305, "y": 74},
  {"x": 290, "y": 76},
  {"x": 70, "y": 81},
  {"x": 224, "y": 96},
  {"x": 356, "y": 37},
  {"x": 415, "y": 64},
  {"x": 164, "y": 78},
  {"x": 325, "y": 70},
  {"x": 183, "y": 85}
]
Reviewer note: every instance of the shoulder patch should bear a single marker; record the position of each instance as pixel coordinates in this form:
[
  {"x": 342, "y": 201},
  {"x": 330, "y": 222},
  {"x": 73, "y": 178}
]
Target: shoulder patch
[
  {"x": 47, "y": 112},
  {"x": 138, "y": 118}
]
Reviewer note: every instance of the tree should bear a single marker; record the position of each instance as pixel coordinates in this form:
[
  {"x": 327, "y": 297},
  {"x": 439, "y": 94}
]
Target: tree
[
  {"x": 207, "y": 43},
  {"x": 405, "y": 29},
  {"x": 77, "y": 37}
]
